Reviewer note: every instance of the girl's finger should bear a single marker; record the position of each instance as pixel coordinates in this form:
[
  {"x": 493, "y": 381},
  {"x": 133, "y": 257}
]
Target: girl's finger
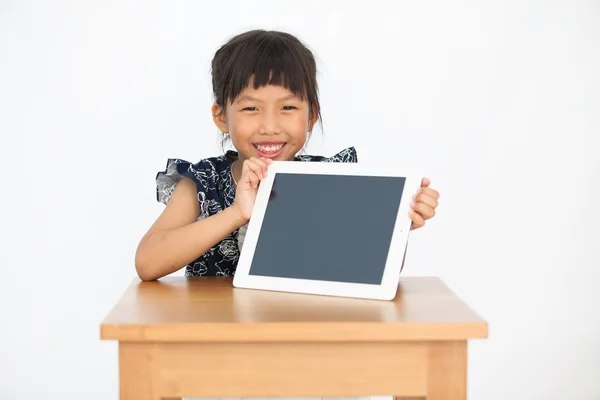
[
  {"x": 424, "y": 210},
  {"x": 251, "y": 178},
  {"x": 424, "y": 198},
  {"x": 425, "y": 182},
  {"x": 254, "y": 163},
  {"x": 429, "y": 191},
  {"x": 256, "y": 166},
  {"x": 262, "y": 162},
  {"x": 417, "y": 220}
]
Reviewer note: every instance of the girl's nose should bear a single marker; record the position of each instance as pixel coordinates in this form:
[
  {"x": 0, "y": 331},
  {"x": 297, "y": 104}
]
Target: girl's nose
[{"x": 270, "y": 124}]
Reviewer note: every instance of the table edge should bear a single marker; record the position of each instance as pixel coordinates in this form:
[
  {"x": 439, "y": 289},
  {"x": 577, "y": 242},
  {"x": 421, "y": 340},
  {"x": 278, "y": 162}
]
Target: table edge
[{"x": 293, "y": 332}]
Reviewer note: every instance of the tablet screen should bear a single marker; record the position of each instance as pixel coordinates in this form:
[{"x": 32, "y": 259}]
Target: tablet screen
[{"x": 328, "y": 227}]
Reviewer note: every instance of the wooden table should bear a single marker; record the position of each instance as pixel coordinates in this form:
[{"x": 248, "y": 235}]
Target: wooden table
[{"x": 202, "y": 337}]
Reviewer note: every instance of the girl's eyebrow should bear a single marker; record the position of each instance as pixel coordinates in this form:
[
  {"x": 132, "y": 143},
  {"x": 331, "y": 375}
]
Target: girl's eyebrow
[
  {"x": 250, "y": 98},
  {"x": 244, "y": 98}
]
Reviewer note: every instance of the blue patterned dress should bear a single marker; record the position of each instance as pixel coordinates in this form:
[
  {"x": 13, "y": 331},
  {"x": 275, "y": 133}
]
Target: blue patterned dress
[{"x": 215, "y": 193}]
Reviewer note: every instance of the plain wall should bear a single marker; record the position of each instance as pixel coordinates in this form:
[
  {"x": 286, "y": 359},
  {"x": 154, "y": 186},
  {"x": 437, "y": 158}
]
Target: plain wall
[{"x": 498, "y": 102}]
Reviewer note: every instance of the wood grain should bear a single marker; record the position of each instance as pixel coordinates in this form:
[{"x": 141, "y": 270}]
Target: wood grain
[
  {"x": 288, "y": 369},
  {"x": 136, "y": 371},
  {"x": 212, "y": 310},
  {"x": 447, "y": 371}
]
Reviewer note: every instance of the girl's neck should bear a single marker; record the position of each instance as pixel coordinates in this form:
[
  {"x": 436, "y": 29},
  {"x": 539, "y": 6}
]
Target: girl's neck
[{"x": 236, "y": 171}]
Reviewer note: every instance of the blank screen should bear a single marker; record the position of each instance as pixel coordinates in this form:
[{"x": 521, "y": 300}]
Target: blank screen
[{"x": 328, "y": 227}]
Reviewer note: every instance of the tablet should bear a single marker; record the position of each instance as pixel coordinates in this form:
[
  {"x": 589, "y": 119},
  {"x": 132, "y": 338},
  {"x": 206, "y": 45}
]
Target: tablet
[{"x": 328, "y": 228}]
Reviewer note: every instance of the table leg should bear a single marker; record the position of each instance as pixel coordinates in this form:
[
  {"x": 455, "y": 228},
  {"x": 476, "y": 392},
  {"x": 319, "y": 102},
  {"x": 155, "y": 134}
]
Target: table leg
[
  {"x": 135, "y": 373},
  {"x": 447, "y": 371}
]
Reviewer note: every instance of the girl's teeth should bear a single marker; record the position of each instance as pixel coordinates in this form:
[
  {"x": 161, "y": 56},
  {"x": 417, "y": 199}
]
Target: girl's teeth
[{"x": 270, "y": 149}]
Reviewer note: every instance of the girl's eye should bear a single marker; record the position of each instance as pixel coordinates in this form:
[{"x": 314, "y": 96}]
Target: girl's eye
[
  {"x": 249, "y": 109},
  {"x": 288, "y": 108}
]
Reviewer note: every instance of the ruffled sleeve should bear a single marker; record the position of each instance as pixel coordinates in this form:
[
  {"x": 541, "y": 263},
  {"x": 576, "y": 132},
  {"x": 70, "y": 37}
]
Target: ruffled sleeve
[
  {"x": 176, "y": 169},
  {"x": 347, "y": 155}
]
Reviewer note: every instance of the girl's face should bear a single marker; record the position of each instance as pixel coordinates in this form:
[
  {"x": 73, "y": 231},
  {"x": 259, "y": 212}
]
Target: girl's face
[{"x": 266, "y": 122}]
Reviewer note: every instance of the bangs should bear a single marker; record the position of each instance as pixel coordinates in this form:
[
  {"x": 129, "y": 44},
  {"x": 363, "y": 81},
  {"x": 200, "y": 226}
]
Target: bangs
[{"x": 268, "y": 59}]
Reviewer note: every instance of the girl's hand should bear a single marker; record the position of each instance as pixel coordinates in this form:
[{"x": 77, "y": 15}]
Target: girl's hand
[
  {"x": 423, "y": 205},
  {"x": 253, "y": 171}
]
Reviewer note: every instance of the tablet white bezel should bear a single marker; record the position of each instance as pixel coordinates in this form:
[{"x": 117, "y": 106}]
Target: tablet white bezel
[{"x": 389, "y": 285}]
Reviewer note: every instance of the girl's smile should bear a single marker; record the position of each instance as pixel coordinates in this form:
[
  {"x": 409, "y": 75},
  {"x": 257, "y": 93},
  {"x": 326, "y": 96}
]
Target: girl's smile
[{"x": 269, "y": 149}]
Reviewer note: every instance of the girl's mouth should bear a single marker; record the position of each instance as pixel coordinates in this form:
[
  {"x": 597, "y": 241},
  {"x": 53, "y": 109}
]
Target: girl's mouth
[{"x": 269, "y": 150}]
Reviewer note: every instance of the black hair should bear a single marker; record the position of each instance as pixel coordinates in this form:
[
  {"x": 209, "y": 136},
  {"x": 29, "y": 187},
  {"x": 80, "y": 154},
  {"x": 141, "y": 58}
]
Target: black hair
[{"x": 269, "y": 58}]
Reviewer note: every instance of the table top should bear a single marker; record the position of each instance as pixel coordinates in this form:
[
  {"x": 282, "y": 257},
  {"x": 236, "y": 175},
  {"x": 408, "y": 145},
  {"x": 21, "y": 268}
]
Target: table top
[{"x": 210, "y": 309}]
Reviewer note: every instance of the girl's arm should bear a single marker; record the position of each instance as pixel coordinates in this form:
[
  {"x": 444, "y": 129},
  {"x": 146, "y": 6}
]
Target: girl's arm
[{"x": 177, "y": 238}]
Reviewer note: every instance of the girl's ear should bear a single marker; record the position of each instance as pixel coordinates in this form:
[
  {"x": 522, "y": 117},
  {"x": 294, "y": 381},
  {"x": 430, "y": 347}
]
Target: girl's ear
[{"x": 219, "y": 118}]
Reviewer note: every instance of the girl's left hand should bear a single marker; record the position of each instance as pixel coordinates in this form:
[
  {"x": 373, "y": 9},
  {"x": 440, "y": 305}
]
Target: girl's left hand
[{"x": 423, "y": 205}]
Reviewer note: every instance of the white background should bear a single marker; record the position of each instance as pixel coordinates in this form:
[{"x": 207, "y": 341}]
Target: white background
[{"x": 499, "y": 102}]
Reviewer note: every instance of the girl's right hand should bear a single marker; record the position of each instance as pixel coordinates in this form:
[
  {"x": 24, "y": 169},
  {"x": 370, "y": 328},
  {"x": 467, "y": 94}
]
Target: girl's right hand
[{"x": 253, "y": 171}]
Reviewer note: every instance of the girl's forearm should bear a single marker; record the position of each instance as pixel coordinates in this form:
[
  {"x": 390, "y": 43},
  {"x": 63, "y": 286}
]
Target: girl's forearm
[{"x": 165, "y": 252}]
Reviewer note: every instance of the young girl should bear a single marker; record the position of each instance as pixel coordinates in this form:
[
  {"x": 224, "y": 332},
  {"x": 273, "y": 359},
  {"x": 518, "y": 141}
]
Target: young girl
[{"x": 266, "y": 103}]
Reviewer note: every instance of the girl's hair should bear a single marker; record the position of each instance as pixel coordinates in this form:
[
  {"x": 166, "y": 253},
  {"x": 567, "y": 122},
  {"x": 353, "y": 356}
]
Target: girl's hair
[{"x": 269, "y": 57}]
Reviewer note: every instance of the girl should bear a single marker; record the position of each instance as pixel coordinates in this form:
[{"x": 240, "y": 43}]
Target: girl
[{"x": 266, "y": 103}]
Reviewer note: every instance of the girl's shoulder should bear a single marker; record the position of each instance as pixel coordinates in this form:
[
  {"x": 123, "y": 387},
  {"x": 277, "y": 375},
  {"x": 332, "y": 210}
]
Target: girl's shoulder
[{"x": 208, "y": 174}]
